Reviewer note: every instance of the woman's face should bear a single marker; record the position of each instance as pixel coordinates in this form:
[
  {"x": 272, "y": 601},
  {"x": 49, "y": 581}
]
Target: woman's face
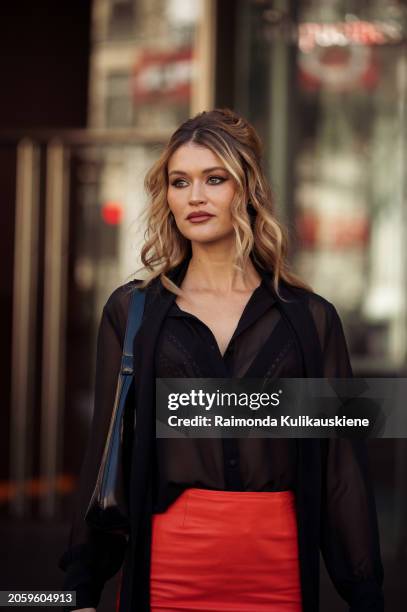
[{"x": 198, "y": 182}]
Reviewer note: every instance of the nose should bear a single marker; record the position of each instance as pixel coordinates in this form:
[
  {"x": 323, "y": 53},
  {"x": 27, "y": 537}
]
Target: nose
[{"x": 197, "y": 195}]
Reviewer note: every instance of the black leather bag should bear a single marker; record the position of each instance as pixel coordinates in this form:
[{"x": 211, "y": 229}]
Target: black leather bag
[{"x": 108, "y": 507}]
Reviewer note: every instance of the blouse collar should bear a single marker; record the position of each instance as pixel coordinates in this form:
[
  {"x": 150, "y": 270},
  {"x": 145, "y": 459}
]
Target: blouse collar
[
  {"x": 178, "y": 273},
  {"x": 262, "y": 298}
]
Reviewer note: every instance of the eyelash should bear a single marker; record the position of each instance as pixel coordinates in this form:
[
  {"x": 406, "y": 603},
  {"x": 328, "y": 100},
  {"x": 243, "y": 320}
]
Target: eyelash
[{"x": 220, "y": 178}]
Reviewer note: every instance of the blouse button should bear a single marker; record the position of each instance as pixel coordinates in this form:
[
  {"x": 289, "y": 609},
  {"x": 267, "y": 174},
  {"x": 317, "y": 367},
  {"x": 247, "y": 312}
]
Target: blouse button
[{"x": 232, "y": 462}]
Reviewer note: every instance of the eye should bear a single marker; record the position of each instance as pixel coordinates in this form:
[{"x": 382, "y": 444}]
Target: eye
[
  {"x": 220, "y": 179},
  {"x": 177, "y": 181}
]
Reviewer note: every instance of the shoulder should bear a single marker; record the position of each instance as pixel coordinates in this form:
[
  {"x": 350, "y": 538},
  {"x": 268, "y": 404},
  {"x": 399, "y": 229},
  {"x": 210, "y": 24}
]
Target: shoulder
[
  {"x": 116, "y": 307},
  {"x": 317, "y": 304},
  {"x": 328, "y": 327},
  {"x": 120, "y": 296},
  {"x": 322, "y": 311}
]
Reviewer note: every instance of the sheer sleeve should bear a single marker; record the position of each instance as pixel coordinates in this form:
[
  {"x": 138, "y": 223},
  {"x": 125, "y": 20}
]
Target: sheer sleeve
[
  {"x": 349, "y": 533},
  {"x": 92, "y": 556}
]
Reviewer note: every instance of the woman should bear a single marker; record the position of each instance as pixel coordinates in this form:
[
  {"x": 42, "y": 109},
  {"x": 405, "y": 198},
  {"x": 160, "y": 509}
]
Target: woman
[{"x": 224, "y": 524}]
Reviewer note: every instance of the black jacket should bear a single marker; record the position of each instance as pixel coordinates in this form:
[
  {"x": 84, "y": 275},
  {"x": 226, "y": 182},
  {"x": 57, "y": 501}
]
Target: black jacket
[{"x": 338, "y": 518}]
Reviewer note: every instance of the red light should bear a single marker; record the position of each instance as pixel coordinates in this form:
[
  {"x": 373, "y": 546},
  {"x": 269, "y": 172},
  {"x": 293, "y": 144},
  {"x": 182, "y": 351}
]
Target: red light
[{"x": 112, "y": 213}]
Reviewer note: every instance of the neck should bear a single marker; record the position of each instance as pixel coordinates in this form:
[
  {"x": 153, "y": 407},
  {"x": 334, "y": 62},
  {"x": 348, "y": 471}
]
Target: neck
[{"x": 211, "y": 269}]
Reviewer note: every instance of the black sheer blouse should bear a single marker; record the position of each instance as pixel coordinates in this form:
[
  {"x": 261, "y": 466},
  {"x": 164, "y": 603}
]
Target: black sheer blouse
[{"x": 261, "y": 346}]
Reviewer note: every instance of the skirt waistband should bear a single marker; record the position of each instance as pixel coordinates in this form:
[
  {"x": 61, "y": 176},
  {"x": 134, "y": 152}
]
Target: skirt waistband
[
  {"x": 260, "y": 496},
  {"x": 257, "y": 501}
]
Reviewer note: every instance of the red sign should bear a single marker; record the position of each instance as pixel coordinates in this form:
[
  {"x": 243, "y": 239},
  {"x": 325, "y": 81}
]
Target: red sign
[
  {"x": 112, "y": 213},
  {"x": 335, "y": 233},
  {"x": 163, "y": 76},
  {"x": 339, "y": 68},
  {"x": 344, "y": 33}
]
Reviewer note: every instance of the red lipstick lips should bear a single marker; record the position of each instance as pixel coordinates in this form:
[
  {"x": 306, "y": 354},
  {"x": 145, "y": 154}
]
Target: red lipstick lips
[{"x": 199, "y": 215}]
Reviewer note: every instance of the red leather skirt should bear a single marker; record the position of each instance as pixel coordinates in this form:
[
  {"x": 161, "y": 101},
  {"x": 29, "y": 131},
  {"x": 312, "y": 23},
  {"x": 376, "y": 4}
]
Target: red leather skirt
[{"x": 226, "y": 551}]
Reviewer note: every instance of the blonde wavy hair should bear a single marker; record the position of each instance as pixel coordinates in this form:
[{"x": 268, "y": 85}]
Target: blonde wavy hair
[{"x": 257, "y": 231}]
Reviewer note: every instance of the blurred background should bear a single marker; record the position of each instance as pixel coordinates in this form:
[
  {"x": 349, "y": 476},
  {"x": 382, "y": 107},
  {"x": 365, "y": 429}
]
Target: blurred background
[{"x": 90, "y": 92}]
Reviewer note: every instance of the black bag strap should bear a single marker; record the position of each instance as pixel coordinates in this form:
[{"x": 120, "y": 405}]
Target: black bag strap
[{"x": 134, "y": 320}]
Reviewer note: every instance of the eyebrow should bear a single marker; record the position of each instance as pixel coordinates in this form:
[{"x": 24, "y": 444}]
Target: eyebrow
[{"x": 203, "y": 171}]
